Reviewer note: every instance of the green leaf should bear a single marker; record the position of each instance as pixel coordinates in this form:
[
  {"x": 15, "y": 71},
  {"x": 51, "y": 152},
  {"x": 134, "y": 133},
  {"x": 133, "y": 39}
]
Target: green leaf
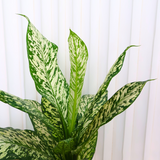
[
  {"x": 64, "y": 146},
  {"x": 87, "y": 150},
  {"x": 78, "y": 59},
  {"x": 118, "y": 103},
  {"x": 28, "y": 106},
  {"x": 92, "y": 110},
  {"x": 115, "y": 69},
  {"x": 15, "y": 144},
  {"x": 44, "y": 132},
  {"x": 52, "y": 114},
  {"x": 85, "y": 103},
  {"x": 44, "y": 69},
  {"x": 102, "y": 95}
]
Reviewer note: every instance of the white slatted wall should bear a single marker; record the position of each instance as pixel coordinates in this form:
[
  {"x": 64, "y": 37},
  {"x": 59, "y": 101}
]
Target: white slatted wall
[{"x": 107, "y": 27}]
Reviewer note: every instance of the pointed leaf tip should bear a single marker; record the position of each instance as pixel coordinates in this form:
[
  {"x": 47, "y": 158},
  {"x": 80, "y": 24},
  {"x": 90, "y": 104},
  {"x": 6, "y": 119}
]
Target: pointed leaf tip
[
  {"x": 24, "y": 16},
  {"x": 71, "y": 31},
  {"x": 152, "y": 79},
  {"x": 131, "y": 46},
  {"x": 149, "y": 80}
]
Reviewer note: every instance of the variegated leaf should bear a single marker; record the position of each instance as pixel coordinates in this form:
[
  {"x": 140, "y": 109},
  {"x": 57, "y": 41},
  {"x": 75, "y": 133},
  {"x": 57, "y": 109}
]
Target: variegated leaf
[
  {"x": 28, "y": 106},
  {"x": 78, "y": 59},
  {"x": 88, "y": 150},
  {"x": 64, "y": 146},
  {"x": 48, "y": 78},
  {"x": 119, "y": 102},
  {"x": 85, "y": 103},
  {"x": 84, "y": 121},
  {"x": 18, "y": 144},
  {"x": 52, "y": 114},
  {"x": 44, "y": 133},
  {"x": 93, "y": 109},
  {"x": 115, "y": 69}
]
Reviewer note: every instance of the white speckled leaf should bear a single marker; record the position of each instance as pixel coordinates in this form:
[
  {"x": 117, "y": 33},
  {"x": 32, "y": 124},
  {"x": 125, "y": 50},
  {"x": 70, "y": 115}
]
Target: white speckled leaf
[
  {"x": 48, "y": 78},
  {"x": 84, "y": 104},
  {"x": 115, "y": 69},
  {"x": 64, "y": 146},
  {"x": 92, "y": 109},
  {"x": 118, "y": 103},
  {"x": 44, "y": 132},
  {"x": 78, "y": 59},
  {"x": 28, "y": 106},
  {"x": 46, "y": 135},
  {"x": 18, "y": 144},
  {"x": 88, "y": 150},
  {"x": 52, "y": 114}
]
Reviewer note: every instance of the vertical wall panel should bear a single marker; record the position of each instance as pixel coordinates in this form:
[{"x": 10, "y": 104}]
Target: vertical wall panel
[
  {"x": 103, "y": 41},
  {"x": 132, "y": 75},
  {"x": 114, "y": 9},
  {"x": 94, "y": 62},
  {"x": 62, "y": 35},
  {"x": 13, "y": 48},
  {"x": 30, "y": 92},
  {"x": 27, "y": 8},
  {"x": 144, "y": 69},
  {"x": 152, "y": 140},
  {"x": 94, "y": 44},
  {"x": 77, "y": 17},
  {"x": 85, "y": 33},
  {"x": 64, "y": 25},
  {"x": 54, "y": 21},
  {"x": 4, "y": 108},
  {"x": 102, "y": 65},
  {"x": 46, "y": 17},
  {"x": 36, "y": 4},
  {"x": 124, "y": 33}
]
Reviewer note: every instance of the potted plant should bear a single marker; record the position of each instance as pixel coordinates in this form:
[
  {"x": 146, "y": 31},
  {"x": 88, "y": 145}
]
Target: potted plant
[{"x": 65, "y": 122}]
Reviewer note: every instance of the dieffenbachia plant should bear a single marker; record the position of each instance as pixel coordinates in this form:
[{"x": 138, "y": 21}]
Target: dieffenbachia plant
[{"x": 65, "y": 122}]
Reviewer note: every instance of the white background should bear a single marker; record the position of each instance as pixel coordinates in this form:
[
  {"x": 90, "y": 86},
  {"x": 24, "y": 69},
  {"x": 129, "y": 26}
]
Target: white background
[{"x": 107, "y": 27}]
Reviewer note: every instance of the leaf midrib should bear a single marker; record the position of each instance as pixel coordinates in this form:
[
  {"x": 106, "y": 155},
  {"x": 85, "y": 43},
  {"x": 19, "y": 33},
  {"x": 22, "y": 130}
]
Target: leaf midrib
[{"x": 75, "y": 98}]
